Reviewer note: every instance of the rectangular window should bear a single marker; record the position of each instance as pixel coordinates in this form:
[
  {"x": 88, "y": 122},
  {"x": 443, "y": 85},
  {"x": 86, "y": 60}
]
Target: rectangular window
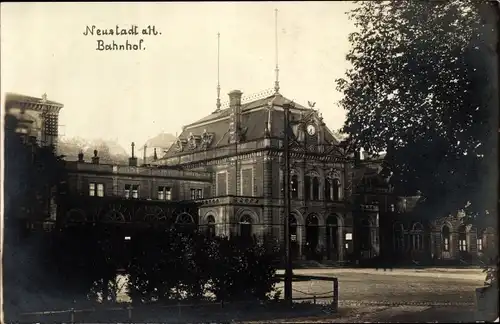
[
  {"x": 221, "y": 184},
  {"x": 91, "y": 189},
  {"x": 199, "y": 193},
  {"x": 348, "y": 236},
  {"x": 246, "y": 182},
  {"x": 100, "y": 190},
  {"x": 164, "y": 193},
  {"x": 127, "y": 190},
  {"x": 480, "y": 245},
  {"x": 193, "y": 194},
  {"x": 446, "y": 244},
  {"x": 161, "y": 193},
  {"x": 462, "y": 244},
  {"x": 135, "y": 191}
]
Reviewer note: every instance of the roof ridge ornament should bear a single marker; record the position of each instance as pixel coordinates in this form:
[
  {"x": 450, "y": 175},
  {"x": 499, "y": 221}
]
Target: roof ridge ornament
[
  {"x": 253, "y": 97},
  {"x": 218, "y": 104}
]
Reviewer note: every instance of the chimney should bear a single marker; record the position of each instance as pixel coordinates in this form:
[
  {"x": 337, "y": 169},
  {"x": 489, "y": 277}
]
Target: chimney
[
  {"x": 235, "y": 115},
  {"x": 132, "y": 161},
  {"x": 80, "y": 157},
  {"x": 144, "y": 155},
  {"x": 95, "y": 158},
  {"x": 155, "y": 157}
]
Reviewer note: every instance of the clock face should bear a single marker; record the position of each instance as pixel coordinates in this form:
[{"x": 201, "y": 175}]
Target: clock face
[{"x": 311, "y": 130}]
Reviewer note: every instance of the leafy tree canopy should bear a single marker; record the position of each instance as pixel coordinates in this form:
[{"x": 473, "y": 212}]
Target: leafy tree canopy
[{"x": 421, "y": 85}]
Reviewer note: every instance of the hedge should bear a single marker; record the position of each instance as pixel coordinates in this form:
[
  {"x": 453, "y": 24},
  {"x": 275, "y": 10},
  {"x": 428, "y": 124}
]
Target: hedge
[{"x": 163, "y": 264}]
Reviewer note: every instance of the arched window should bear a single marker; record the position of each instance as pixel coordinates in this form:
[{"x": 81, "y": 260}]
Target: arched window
[
  {"x": 210, "y": 226},
  {"x": 462, "y": 238},
  {"x": 246, "y": 227},
  {"x": 398, "y": 237},
  {"x": 294, "y": 186},
  {"x": 293, "y": 228},
  {"x": 315, "y": 188},
  {"x": 185, "y": 222},
  {"x": 336, "y": 189},
  {"x": 417, "y": 236},
  {"x": 332, "y": 221},
  {"x": 481, "y": 241},
  {"x": 328, "y": 184},
  {"x": 307, "y": 187},
  {"x": 445, "y": 238}
]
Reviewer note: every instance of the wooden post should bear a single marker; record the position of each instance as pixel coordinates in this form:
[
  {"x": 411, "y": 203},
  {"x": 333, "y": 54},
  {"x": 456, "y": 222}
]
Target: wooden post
[
  {"x": 72, "y": 316},
  {"x": 335, "y": 294}
]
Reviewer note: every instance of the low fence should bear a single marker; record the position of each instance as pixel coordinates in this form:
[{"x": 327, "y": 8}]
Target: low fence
[
  {"x": 322, "y": 294},
  {"x": 129, "y": 313}
]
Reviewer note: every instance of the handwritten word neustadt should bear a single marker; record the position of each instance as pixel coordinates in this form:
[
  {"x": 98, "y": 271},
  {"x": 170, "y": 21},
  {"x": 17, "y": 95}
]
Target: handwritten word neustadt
[{"x": 118, "y": 31}]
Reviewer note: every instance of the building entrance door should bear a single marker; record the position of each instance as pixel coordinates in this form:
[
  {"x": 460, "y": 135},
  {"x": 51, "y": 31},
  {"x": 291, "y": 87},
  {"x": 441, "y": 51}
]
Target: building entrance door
[
  {"x": 312, "y": 237},
  {"x": 332, "y": 238},
  {"x": 365, "y": 240}
]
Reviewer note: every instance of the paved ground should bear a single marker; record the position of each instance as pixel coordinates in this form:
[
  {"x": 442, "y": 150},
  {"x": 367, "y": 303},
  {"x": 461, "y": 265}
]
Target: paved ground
[
  {"x": 408, "y": 287},
  {"x": 408, "y": 295}
]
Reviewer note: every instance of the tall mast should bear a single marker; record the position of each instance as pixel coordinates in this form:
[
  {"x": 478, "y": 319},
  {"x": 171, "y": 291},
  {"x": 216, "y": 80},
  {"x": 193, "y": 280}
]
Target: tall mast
[
  {"x": 218, "y": 73},
  {"x": 276, "y": 70}
]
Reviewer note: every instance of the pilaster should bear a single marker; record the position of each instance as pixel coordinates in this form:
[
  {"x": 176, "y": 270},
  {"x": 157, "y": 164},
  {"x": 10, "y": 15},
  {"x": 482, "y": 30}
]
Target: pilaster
[{"x": 267, "y": 215}]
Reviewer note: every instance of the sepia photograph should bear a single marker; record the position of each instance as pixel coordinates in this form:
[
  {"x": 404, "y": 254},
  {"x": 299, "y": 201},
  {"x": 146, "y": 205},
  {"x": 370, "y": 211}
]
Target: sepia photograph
[{"x": 249, "y": 162}]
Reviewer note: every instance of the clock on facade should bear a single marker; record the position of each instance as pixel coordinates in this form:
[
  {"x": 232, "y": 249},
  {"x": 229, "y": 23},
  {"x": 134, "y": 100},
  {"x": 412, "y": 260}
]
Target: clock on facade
[{"x": 311, "y": 130}]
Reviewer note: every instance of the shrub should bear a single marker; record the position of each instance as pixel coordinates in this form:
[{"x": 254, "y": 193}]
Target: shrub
[
  {"x": 80, "y": 263},
  {"x": 167, "y": 264},
  {"x": 491, "y": 270}
]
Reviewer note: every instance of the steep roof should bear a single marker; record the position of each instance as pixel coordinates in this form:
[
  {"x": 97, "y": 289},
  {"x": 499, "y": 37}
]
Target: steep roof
[
  {"x": 279, "y": 101},
  {"x": 254, "y": 116}
]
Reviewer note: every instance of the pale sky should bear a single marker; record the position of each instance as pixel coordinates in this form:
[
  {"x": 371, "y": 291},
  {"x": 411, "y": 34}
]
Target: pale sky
[{"x": 134, "y": 95}]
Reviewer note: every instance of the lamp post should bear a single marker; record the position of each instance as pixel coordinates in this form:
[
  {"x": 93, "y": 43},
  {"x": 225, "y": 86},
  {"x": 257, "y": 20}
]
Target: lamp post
[
  {"x": 341, "y": 150},
  {"x": 286, "y": 189}
]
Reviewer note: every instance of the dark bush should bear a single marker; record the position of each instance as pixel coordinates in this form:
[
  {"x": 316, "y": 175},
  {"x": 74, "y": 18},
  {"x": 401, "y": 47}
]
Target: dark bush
[
  {"x": 79, "y": 261},
  {"x": 165, "y": 265},
  {"x": 194, "y": 266}
]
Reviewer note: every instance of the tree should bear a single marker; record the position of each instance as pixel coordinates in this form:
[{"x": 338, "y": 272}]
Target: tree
[
  {"x": 420, "y": 87},
  {"x": 33, "y": 175},
  {"x": 108, "y": 151}
]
